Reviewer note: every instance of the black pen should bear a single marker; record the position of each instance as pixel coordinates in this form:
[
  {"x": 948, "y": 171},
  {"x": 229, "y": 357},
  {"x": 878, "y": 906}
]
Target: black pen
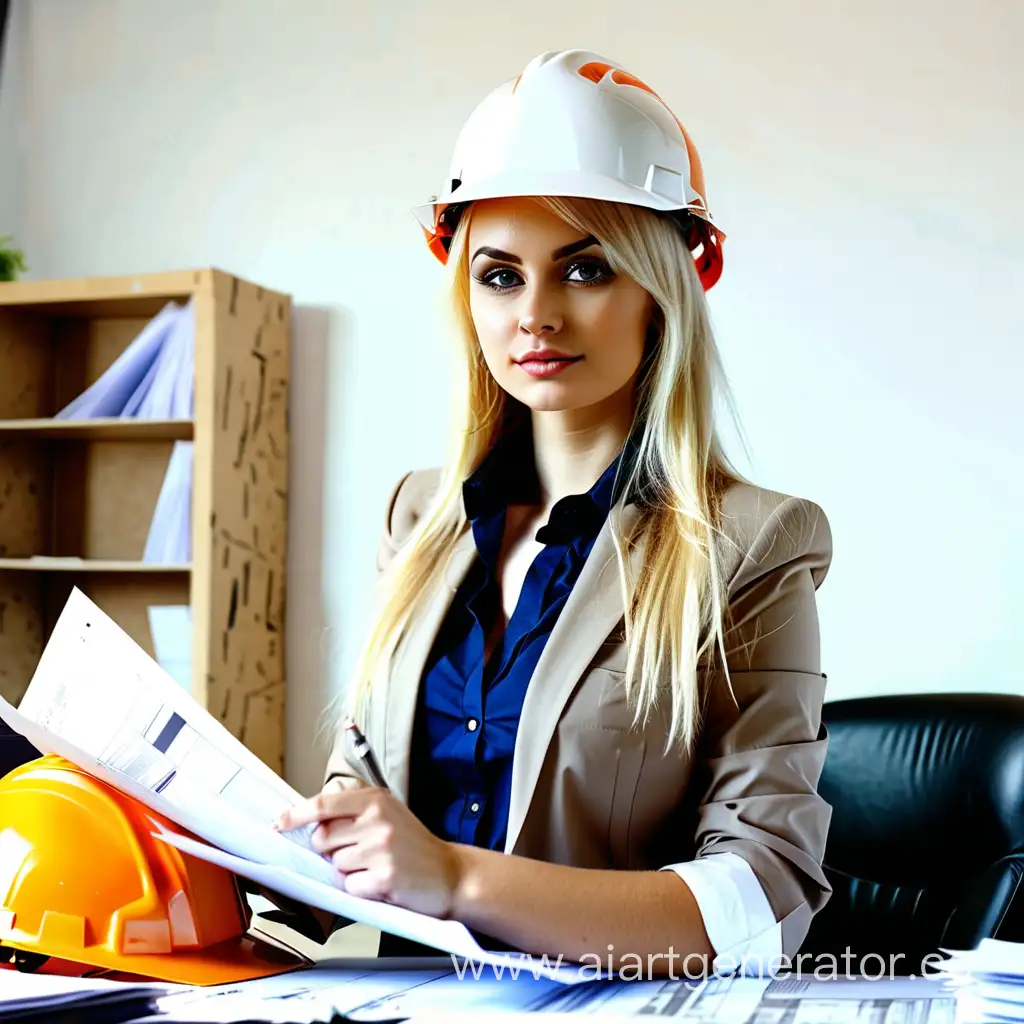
[{"x": 365, "y": 753}]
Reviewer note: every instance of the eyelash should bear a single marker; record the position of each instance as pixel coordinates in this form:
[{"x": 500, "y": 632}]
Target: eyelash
[{"x": 606, "y": 274}]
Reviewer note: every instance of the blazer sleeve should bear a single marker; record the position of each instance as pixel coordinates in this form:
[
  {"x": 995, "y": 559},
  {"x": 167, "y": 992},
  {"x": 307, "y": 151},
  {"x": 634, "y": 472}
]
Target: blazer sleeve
[
  {"x": 399, "y": 517},
  {"x": 762, "y": 744}
]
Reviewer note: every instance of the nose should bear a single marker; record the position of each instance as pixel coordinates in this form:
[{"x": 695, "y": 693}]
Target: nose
[{"x": 539, "y": 315}]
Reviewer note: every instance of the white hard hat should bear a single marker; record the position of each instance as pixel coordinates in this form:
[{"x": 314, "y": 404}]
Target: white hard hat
[{"x": 576, "y": 124}]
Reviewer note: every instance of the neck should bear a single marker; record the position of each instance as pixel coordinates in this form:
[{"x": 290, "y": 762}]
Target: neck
[{"x": 573, "y": 447}]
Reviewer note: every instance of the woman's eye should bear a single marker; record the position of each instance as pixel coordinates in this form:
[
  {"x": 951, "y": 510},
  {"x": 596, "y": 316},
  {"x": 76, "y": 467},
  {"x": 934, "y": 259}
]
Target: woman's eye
[
  {"x": 589, "y": 272},
  {"x": 501, "y": 279}
]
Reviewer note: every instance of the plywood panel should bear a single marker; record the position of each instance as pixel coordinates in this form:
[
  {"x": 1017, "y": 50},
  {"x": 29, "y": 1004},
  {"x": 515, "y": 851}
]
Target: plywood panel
[
  {"x": 105, "y": 496},
  {"x": 25, "y": 497},
  {"x": 26, "y": 364},
  {"x": 245, "y": 472},
  {"x": 22, "y": 629}
]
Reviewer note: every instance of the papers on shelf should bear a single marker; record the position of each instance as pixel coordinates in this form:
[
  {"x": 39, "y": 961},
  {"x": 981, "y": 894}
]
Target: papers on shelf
[
  {"x": 170, "y": 625},
  {"x": 151, "y": 379},
  {"x": 98, "y": 700},
  {"x": 169, "y": 541}
]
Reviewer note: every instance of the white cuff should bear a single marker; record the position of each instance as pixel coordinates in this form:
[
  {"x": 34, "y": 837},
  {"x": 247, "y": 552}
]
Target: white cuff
[{"x": 737, "y": 916}]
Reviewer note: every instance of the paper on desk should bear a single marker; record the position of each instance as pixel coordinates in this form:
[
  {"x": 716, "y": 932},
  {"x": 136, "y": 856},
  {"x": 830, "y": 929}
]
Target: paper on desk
[
  {"x": 435, "y": 993},
  {"x": 377, "y": 990},
  {"x": 988, "y": 980},
  {"x": 991, "y": 956},
  {"x": 813, "y": 1001},
  {"x": 24, "y": 993}
]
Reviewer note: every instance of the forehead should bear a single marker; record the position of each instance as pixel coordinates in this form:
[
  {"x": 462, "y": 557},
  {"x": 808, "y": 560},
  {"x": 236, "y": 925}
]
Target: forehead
[{"x": 517, "y": 221}]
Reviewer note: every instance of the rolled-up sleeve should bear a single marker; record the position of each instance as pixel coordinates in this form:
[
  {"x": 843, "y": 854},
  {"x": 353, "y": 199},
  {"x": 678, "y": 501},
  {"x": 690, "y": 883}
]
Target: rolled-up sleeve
[{"x": 762, "y": 745}]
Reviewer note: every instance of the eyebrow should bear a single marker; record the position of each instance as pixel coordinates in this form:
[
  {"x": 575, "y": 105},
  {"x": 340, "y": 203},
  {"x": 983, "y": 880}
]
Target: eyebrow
[{"x": 558, "y": 254}]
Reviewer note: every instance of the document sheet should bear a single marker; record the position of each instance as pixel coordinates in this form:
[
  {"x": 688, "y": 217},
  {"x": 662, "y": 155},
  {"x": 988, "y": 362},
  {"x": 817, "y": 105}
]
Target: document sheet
[{"x": 434, "y": 991}]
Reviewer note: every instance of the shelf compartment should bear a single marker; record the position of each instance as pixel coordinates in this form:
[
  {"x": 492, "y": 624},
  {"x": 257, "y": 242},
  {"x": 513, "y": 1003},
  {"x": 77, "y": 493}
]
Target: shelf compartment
[{"x": 30, "y": 603}]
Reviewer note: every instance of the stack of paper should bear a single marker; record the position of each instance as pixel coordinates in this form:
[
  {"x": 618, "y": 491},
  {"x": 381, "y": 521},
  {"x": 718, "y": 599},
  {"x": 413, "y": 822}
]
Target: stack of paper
[
  {"x": 151, "y": 379},
  {"x": 989, "y": 981},
  {"x": 40, "y": 996}
]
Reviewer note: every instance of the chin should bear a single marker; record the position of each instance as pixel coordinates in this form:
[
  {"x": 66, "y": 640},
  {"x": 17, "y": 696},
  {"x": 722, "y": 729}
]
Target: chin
[{"x": 550, "y": 396}]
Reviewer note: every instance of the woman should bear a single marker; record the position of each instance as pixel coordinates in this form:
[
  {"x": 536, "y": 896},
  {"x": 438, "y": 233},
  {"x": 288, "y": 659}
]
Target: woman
[{"x": 607, "y": 657}]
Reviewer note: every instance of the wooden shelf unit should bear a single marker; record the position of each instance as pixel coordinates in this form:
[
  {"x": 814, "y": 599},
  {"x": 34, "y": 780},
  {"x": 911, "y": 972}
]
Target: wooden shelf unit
[{"x": 77, "y": 497}]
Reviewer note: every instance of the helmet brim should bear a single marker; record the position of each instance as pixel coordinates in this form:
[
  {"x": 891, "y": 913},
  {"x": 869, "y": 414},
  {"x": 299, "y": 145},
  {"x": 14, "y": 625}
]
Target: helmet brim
[{"x": 576, "y": 185}]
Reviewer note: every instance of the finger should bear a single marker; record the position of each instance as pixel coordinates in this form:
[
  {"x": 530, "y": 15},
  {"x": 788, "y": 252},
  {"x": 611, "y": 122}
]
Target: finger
[
  {"x": 324, "y": 805},
  {"x": 333, "y": 834},
  {"x": 367, "y": 883},
  {"x": 342, "y": 783},
  {"x": 350, "y": 857}
]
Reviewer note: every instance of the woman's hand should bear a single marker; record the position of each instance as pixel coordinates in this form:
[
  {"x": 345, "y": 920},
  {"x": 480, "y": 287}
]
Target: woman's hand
[{"x": 380, "y": 847}]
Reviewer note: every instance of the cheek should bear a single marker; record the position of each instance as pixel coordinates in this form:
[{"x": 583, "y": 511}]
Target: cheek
[
  {"x": 495, "y": 327},
  {"x": 615, "y": 329}
]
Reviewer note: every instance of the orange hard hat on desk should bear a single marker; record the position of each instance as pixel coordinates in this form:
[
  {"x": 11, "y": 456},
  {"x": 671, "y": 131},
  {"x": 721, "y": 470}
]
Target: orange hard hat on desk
[{"x": 83, "y": 879}]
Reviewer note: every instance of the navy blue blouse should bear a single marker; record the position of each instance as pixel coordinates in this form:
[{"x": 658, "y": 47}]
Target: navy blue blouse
[{"x": 468, "y": 711}]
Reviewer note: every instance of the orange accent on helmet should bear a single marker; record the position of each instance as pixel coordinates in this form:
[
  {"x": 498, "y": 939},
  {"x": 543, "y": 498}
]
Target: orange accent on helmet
[
  {"x": 707, "y": 238},
  {"x": 698, "y": 232},
  {"x": 596, "y": 71},
  {"x": 438, "y": 241},
  {"x": 83, "y": 879}
]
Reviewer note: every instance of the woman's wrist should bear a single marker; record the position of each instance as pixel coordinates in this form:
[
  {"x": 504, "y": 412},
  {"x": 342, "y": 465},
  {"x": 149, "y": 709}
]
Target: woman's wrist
[{"x": 465, "y": 885}]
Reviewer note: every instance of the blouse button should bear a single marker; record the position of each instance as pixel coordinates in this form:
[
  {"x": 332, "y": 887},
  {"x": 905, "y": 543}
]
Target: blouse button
[
  {"x": 474, "y": 807},
  {"x": 472, "y": 724}
]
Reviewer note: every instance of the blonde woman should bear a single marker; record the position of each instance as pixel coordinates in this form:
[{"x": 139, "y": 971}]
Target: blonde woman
[{"x": 593, "y": 682}]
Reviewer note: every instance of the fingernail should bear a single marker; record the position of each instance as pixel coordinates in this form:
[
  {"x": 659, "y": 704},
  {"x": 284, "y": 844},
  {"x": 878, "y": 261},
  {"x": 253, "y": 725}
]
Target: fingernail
[{"x": 277, "y": 824}]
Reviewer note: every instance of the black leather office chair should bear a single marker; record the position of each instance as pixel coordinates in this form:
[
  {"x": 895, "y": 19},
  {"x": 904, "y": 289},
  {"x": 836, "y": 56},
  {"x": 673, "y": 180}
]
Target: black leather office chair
[{"x": 926, "y": 844}]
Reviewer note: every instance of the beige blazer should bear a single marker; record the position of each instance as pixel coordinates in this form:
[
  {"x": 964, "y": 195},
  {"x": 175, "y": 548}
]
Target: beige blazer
[{"x": 589, "y": 790}]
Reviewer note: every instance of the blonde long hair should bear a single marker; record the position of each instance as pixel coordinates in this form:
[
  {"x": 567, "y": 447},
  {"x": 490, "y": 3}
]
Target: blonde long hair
[{"x": 675, "y": 606}]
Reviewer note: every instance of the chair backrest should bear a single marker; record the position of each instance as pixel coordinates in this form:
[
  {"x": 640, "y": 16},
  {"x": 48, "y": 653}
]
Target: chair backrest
[{"x": 926, "y": 842}]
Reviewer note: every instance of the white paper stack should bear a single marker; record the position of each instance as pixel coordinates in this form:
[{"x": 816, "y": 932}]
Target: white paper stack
[
  {"x": 40, "y": 997},
  {"x": 152, "y": 378},
  {"x": 989, "y": 982}
]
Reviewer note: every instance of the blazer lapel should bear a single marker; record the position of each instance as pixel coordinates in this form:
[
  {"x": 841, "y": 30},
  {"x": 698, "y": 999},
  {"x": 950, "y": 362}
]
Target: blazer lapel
[
  {"x": 409, "y": 662},
  {"x": 592, "y": 611}
]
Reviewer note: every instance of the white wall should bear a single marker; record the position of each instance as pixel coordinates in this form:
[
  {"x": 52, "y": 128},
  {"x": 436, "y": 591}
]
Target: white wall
[
  {"x": 12, "y": 185},
  {"x": 865, "y": 162}
]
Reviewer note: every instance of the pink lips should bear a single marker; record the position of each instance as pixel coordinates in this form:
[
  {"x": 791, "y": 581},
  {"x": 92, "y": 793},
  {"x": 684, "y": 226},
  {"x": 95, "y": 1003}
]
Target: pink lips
[{"x": 547, "y": 363}]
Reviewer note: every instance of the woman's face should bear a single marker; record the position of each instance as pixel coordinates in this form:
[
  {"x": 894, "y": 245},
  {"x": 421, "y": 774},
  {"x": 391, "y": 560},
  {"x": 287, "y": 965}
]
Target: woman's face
[{"x": 559, "y": 329}]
